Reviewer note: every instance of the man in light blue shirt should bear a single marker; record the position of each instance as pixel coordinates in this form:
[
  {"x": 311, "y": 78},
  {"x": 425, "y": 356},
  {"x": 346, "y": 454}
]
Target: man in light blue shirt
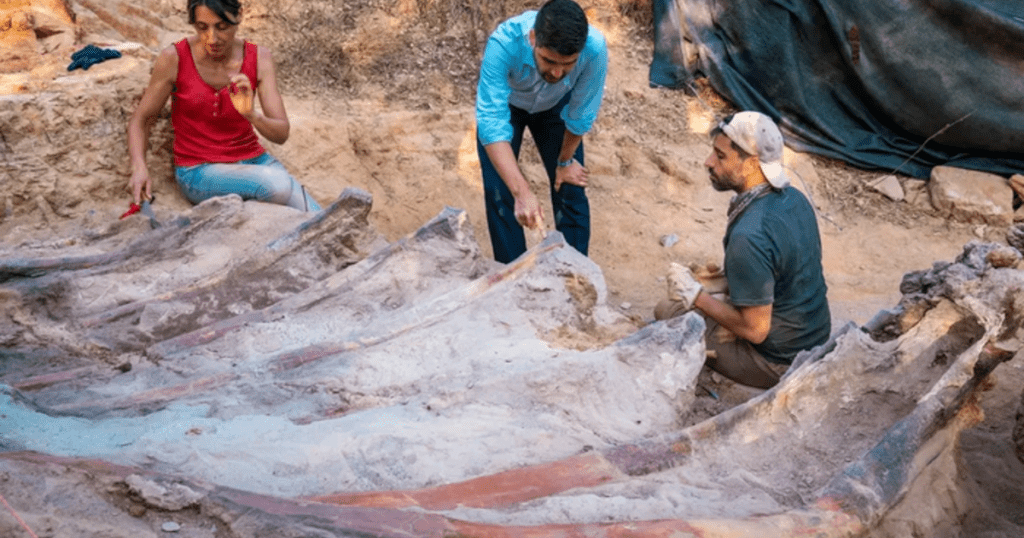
[{"x": 543, "y": 70}]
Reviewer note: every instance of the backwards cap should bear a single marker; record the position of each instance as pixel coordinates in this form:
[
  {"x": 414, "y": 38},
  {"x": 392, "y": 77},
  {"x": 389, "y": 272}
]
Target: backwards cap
[{"x": 758, "y": 135}]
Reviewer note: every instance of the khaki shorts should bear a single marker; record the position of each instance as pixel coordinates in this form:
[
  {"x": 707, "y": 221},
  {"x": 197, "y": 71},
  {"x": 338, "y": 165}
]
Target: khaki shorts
[{"x": 728, "y": 355}]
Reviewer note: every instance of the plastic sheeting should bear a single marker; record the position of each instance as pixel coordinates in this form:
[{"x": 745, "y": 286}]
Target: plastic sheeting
[{"x": 871, "y": 83}]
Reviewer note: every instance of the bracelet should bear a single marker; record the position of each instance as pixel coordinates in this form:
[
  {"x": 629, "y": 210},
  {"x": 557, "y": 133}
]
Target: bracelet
[{"x": 563, "y": 164}]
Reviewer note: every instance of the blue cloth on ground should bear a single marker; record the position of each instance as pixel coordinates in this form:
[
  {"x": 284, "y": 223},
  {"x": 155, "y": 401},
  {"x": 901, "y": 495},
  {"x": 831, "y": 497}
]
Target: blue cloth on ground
[{"x": 91, "y": 54}]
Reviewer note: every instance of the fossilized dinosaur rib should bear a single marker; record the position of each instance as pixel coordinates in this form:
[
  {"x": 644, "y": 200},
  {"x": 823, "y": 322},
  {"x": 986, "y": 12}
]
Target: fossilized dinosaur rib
[
  {"x": 938, "y": 365},
  {"x": 328, "y": 242},
  {"x": 450, "y": 224},
  {"x": 152, "y": 243}
]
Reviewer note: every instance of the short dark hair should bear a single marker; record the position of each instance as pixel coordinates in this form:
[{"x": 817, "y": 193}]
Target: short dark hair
[
  {"x": 222, "y": 8},
  {"x": 561, "y": 26},
  {"x": 718, "y": 131}
]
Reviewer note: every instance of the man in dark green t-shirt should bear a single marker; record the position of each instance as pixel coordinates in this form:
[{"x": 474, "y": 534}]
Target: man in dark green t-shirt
[{"x": 776, "y": 304}]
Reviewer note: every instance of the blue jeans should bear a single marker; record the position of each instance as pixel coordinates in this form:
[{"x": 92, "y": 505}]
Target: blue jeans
[
  {"x": 569, "y": 203},
  {"x": 261, "y": 178}
]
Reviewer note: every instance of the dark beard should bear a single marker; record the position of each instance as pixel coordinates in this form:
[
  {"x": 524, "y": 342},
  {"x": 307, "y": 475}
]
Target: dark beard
[{"x": 719, "y": 184}]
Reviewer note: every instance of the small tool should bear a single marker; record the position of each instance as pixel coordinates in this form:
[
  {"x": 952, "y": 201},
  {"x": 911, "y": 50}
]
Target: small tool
[
  {"x": 146, "y": 209},
  {"x": 132, "y": 209}
]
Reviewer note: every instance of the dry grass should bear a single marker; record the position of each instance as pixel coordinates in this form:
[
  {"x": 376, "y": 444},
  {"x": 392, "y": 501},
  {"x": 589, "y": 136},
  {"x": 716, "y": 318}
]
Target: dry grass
[{"x": 337, "y": 47}]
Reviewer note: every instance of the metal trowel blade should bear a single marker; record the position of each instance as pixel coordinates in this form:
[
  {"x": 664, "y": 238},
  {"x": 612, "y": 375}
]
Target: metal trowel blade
[{"x": 147, "y": 209}]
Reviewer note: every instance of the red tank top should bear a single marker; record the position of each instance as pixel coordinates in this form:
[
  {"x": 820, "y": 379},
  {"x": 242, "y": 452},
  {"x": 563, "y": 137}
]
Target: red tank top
[{"x": 207, "y": 128}]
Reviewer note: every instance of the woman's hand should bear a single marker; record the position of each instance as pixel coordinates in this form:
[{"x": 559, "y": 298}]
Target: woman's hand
[
  {"x": 242, "y": 95},
  {"x": 141, "y": 185}
]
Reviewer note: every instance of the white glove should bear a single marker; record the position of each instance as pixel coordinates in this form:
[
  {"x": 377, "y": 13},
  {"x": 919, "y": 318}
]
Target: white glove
[{"x": 682, "y": 286}]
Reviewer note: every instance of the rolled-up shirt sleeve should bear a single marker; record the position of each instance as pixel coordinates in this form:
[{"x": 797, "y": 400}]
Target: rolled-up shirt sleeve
[
  {"x": 492, "y": 93},
  {"x": 581, "y": 112}
]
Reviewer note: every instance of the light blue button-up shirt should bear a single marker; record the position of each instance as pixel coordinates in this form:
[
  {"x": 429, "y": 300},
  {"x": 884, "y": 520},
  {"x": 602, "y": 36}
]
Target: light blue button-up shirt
[{"x": 509, "y": 76}]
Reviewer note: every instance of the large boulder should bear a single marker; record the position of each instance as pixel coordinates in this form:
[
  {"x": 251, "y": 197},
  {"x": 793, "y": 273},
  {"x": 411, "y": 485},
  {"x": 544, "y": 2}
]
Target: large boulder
[{"x": 971, "y": 196}]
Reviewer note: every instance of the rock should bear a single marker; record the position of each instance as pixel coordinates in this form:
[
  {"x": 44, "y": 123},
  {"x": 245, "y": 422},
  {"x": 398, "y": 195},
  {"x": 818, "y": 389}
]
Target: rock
[
  {"x": 1003, "y": 257},
  {"x": 172, "y": 497},
  {"x": 1015, "y": 236},
  {"x": 669, "y": 240},
  {"x": 1017, "y": 184},
  {"x": 971, "y": 196},
  {"x": 889, "y": 186},
  {"x": 170, "y": 526}
]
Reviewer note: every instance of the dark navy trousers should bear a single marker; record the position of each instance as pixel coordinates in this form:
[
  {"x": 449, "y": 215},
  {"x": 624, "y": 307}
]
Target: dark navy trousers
[{"x": 570, "y": 204}]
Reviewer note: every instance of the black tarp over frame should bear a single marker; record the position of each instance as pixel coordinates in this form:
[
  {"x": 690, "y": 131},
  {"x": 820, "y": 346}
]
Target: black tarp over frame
[{"x": 867, "y": 82}]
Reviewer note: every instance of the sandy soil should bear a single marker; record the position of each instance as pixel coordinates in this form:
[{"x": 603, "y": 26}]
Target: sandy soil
[{"x": 401, "y": 126}]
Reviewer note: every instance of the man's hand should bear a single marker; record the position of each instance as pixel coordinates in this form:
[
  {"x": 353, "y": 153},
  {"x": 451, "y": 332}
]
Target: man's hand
[
  {"x": 712, "y": 278},
  {"x": 241, "y": 94},
  {"x": 574, "y": 174},
  {"x": 528, "y": 211},
  {"x": 682, "y": 286}
]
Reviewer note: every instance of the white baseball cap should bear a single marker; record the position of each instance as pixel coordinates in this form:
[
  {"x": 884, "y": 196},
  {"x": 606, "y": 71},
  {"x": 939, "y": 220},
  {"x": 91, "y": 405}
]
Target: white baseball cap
[{"x": 758, "y": 135}]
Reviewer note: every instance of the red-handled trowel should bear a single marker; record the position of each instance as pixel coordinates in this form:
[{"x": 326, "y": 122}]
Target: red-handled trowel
[{"x": 146, "y": 208}]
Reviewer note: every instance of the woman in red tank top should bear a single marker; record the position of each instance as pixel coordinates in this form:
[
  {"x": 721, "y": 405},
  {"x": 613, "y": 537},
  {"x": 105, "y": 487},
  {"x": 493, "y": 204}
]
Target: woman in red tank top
[{"x": 212, "y": 78}]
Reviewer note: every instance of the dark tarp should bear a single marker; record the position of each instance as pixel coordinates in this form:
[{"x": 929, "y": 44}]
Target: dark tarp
[{"x": 867, "y": 82}]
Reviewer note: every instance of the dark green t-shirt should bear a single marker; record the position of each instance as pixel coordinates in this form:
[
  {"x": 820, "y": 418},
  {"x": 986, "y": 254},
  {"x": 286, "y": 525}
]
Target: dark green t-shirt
[{"x": 773, "y": 256}]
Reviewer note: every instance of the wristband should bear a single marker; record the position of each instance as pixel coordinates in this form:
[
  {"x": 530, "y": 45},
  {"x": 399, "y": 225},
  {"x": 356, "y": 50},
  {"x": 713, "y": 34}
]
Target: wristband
[{"x": 563, "y": 164}]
